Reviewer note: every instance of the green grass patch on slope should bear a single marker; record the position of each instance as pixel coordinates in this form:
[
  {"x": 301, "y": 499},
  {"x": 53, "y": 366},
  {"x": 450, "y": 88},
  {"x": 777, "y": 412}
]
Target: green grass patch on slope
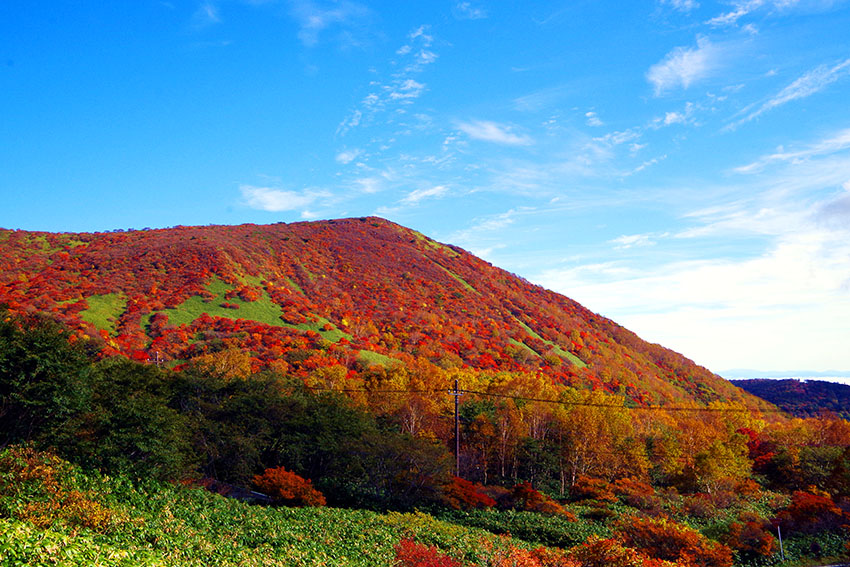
[
  {"x": 462, "y": 281},
  {"x": 371, "y": 358},
  {"x": 104, "y": 310},
  {"x": 555, "y": 347},
  {"x": 264, "y": 310}
]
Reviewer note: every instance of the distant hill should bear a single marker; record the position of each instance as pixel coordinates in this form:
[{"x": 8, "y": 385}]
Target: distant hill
[
  {"x": 350, "y": 293},
  {"x": 808, "y": 398}
]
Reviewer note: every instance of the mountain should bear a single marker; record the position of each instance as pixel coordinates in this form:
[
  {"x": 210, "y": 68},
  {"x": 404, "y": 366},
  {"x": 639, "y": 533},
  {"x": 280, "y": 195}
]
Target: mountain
[
  {"x": 349, "y": 293},
  {"x": 801, "y": 398}
]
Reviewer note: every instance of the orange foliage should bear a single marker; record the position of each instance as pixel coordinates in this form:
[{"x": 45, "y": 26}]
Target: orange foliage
[
  {"x": 665, "y": 539},
  {"x": 288, "y": 488},
  {"x": 461, "y": 493}
]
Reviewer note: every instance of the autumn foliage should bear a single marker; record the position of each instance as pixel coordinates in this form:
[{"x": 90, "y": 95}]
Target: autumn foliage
[
  {"x": 408, "y": 553},
  {"x": 288, "y": 488},
  {"x": 665, "y": 539}
]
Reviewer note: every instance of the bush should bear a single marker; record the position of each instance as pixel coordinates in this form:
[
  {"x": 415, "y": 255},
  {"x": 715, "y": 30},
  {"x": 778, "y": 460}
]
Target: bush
[
  {"x": 463, "y": 494},
  {"x": 751, "y": 539},
  {"x": 587, "y": 488},
  {"x": 812, "y": 512},
  {"x": 408, "y": 553},
  {"x": 525, "y": 497},
  {"x": 38, "y": 488},
  {"x": 288, "y": 488},
  {"x": 596, "y": 552},
  {"x": 665, "y": 539}
]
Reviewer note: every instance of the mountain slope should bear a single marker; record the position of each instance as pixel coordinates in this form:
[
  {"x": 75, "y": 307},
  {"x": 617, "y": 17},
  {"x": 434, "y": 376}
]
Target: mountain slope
[
  {"x": 806, "y": 398},
  {"x": 350, "y": 293}
]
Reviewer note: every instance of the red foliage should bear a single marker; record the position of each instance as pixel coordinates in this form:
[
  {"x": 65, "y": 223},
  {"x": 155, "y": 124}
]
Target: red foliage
[
  {"x": 597, "y": 552},
  {"x": 525, "y": 497},
  {"x": 461, "y": 493},
  {"x": 665, "y": 539},
  {"x": 408, "y": 553},
  {"x": 751, "y": 538},
  {"x": 288, "y": 488},
  {"x": 812, "y": 513},
  {"x": 587, "y": 488}
]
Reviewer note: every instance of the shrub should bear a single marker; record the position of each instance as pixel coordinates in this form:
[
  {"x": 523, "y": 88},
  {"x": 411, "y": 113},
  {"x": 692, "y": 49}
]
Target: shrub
[
  {"x": 38, "y": 488},
  {"x": 587, "y": 488},
  {"x": 596, "y": 552},
  {"x": 525, "y": 497},
  {"x": 288, "y": 488},
  {"x": 665, "y": 539},
  {"x": 751, "y": 539},
  {"x": 461, "y": 493},
  {"x": 408, "y": 553},
  {"x": 812, "y": 512},
  {"x": 638, "y": 495}
]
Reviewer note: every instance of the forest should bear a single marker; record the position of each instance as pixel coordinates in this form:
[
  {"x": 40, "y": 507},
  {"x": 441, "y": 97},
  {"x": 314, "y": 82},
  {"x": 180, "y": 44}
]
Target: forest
[
  {"x": 691, "y": 485},
  {"x": 312, "y": 367}
]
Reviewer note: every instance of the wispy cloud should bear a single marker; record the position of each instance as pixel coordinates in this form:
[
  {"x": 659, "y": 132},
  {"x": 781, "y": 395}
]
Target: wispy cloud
[
  {"x": 207, "y": 14},
  {"x": 741, "y": 9},
  {"x": 276, "y": 200},
  {"x": 348, "y": 156},
  {"x": 682, "y": 5},
  {"x": 837, "y": 143},
  {"x": 684, "y": 66},
  {"x": 489, "y": 131},
  {"x": 414, "y": 197},
  {"x": 808, "y": 84},
  {"x": 632, "y": 240},
  {"x": 468, "y": 11},
  {"x": 401, "y": 89},
  {"x": 314, "y": 18},
  {"x": 593, "y": 119}
]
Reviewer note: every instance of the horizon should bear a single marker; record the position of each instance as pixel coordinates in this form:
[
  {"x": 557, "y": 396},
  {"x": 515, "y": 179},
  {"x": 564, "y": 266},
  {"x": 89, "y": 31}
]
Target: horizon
[{"x": 680, "y": 167}]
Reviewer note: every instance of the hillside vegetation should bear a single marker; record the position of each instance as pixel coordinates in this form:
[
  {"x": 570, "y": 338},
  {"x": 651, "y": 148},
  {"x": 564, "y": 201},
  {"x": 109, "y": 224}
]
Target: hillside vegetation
[
  {"x": 320, "y": 294},
  {"x": 126, "y": 369}
]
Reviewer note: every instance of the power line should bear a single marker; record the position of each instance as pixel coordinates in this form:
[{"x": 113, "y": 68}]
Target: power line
[{"x": 550, "y": 401}]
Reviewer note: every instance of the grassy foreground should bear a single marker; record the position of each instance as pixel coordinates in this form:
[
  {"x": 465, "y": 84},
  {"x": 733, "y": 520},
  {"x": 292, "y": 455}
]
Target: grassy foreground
[{"x": 58, "y": 515}]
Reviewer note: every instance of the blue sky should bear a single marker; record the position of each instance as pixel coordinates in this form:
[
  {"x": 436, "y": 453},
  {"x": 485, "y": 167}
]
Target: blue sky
[{"x": 680, "y": 166}]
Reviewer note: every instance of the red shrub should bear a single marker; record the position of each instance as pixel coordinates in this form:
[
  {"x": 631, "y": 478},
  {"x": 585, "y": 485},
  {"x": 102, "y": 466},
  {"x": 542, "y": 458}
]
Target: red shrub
[
  {"x": 525, "y": 497},
  {"x": 751, "y": 539},
  {"x": 587, "y": 488},
  {"x": 461, "y": 493},
  {"x": 811, "y": 513},
  {"x": 408, "y": 553},
  {"x": 597, "y": 552},
  {"x": 665, "y": 539},
  {"x": 288, "y": 488}
]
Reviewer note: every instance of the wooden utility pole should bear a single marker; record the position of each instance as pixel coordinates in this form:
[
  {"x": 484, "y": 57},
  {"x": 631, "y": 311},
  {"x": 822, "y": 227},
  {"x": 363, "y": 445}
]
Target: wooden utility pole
[{"x": 456, "y": 394}]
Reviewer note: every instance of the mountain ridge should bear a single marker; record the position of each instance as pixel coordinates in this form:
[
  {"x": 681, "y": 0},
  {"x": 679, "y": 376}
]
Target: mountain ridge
[{"x": 350, "y": 293}]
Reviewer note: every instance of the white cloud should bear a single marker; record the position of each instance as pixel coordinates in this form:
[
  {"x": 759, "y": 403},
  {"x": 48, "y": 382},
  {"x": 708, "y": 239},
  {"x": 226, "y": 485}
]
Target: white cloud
[
  {"x": 684, "y": 66},
  {"x": 276, "y": 200},
  {"x": 468, "y": 11},
  {"x": 417, "y": 195},
  {"x": 593, "y": 119},
  {"x": 683, "y": 5},
  {"x": 630, "y": 240},
  {"x": 834, "y": 144},
  {"x": 347, "y": 156},
  {"x": 493, "y": 132},
  {"x": 742, "y": 8},
  {"x": 313, "y": 19},
  {"x": 406, "y": 89},
  {"x": 792, "y": 299},
  {"x": 808, "y": 84},
  {"x": 206, "y": 14}
]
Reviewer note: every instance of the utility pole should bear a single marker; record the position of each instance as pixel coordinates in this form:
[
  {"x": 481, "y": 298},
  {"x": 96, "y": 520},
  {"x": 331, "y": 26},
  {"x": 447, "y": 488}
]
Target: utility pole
[{"x": 456, "y": 394}]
